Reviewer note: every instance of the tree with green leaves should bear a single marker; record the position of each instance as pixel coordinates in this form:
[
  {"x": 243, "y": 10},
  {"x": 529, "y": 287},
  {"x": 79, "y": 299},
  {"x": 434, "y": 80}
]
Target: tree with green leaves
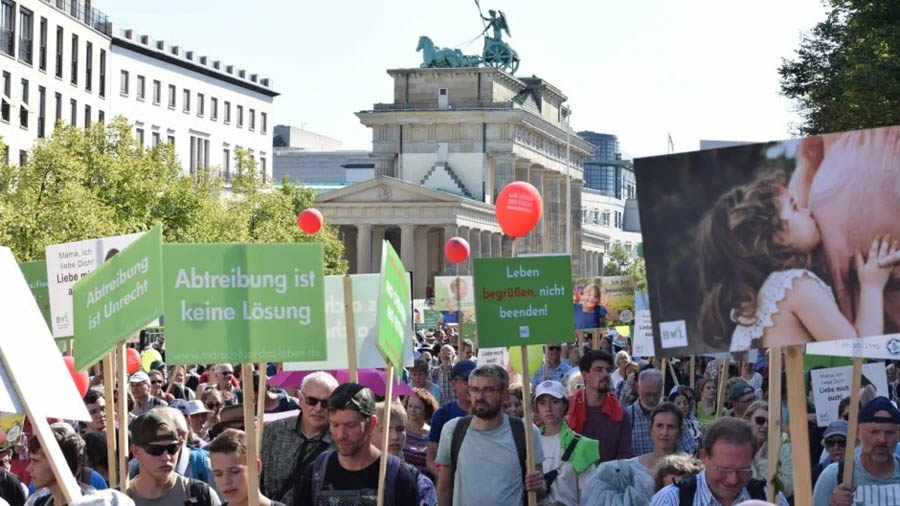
[
  {"x": 846, "y": 73},
  {"x": 78, "y": 184},
  {"x": 621, "y": 263}
]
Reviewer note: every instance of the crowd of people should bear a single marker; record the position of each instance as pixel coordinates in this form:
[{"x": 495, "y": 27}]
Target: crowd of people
[{"x": 608, "y": 430}]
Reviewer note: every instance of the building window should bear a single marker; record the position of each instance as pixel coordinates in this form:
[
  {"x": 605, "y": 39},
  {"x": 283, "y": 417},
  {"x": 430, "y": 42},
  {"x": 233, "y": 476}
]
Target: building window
[
  {"x": 240, "y": 116},
  {"x": 262, "y": 122},
  {"x": 23, "y": 157},
  {"x": 154, "y": 136},
  {"x": 7, "y": 26},
  {"x": 227, "y": 112},
  {"x": 139, "y": 135},
  {"x": 252, "y": 120},
  {"x": 171, "y": 96},
  {"x": 226, "y": 165},
  {"x": 57, "y": 100},
  {"x": 605, "y": 220},
  {"x": 73, "y": 104},
  {"x": 186, "y": 99},
  {"x": 199, "y": 154},
  {"x": 88, "y": 65},
  {"x": 23, "y": 110},
  {"x": 87, "y": 116},
  {"x": 140, "y": 88},
  {"x": 171, "y": 140},
  {"x": 42, "y": 110},
  {"x": 42, "y": 50},
  {"x": 123, "y": 83},
  {"x": 102, "y": 72},
  {"x": 157, "y": 92},
  {"x": 6, "y": 99},
  {"x": 262, "y": 168},
  {"x": 201, "y": 104},
  {"x": 26, "y": 35},
  {"x": 74, "y": 59},
  {"x": 213, "y": 108},
  {"x": 59, "y": 52},
  {"x": 101, "y": 118}
]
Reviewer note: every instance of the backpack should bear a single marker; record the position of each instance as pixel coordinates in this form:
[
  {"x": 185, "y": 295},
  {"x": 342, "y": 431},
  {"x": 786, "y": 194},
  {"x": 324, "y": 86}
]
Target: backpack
[
  {"x": 687, "y": 489},
  {"x": 518, "y": 431},
  {"x": 318, "y": 479},
  {"x": 197, "y": 464},
  {"x": 551, "y": 476},
  {"x": 197, "y": 493}
]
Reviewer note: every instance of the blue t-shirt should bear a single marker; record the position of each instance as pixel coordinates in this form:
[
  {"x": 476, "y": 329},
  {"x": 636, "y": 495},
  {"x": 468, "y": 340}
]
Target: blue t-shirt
[
  {"x": 443, "y": 415},
  {"x": 593, "y": 320}
]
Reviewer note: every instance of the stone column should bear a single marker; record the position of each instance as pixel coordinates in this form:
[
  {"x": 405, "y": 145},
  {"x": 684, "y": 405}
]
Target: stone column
[
  {"x": 475, "y": 244},
  {"x": 363, "y": 248},
  {"x": 497, "y": 245},
  {"x": 504, "y": 171},
  {"x": 536, "y": 237},
  {"x": 463, "y": 233},
  {"x": 486, "y": 245},
  {"x": 449, "y": 231},
  {"x": 407, "y": 246},
  {"x": 420, "y": 272},
  {"x": 576, "y": 222},
  {"x": 377, "y": 240},
  {"x": 554, "y": 208},
  {"x": 384, "y": 164}
]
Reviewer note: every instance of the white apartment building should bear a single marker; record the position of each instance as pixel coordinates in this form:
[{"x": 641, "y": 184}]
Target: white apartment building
[
  {"x": 54, "y": 61},
  {"x": 63, "y": 60},
  {"x": 205, "y": 107}
]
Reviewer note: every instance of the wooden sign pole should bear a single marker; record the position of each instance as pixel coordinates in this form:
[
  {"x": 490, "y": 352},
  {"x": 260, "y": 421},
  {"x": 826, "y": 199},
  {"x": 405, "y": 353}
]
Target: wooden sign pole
[
  {"x": 595, "y": 340},
  {"x": 122, "y": 406},
  {"x": 351, "y": 329},
  {"x": 674, "y": 376},
  {"x": 386, "y": 432},
  {"x": 64, "y": 478},
  {"x": 774, "y": 436},
  {"x": 850, "y": 454},
  {"x": 662, "y": 369},
  {"x": 109, "y": 382},
  {"x": 526, "y": 405},
  {"x": 723, "y": 380},
  {"x": 796, "y": 391},
  {"x": 693, "y": 370},
  {"x": 261, "y": 397},
  {"x": 250, "y": 431}
]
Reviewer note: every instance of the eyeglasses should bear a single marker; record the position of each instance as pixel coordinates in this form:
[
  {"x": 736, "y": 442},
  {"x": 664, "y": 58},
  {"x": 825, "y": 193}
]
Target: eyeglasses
[
  {"x": 485, "y": 390},
  {"x": 214, "y": 406},
  {"x": 745, "y": 472},
  {"x": 313, "y": 401},
  {"x": 157, "y": 450},
  {"x": 156, "y": 382},
  {"x": 760, "y": 420},
  {"x": 835, "y": 441},
  {"x": 227, "y": 373}
]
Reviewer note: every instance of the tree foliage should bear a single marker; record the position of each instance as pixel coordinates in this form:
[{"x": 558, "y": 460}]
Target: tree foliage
[
  {"x": 79, "y": 184},
  {"x": 621, "y": 263},
  {"x": 846, "y": 73}
]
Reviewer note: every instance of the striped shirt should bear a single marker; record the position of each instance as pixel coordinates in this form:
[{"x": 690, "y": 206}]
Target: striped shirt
[{"x": 668, "y": 496}]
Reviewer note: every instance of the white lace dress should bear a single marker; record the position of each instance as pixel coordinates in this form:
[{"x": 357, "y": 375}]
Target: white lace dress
[{"x": 772, "y": 291}]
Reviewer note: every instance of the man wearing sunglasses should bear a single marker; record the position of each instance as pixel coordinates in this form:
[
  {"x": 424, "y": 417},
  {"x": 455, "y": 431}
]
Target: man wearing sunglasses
[
  {"x": 155, "y": 445},
  {"x": 553, "y": 367},
  {"x": 290, "y": 445},
  {"x": 835, "y": 442},
  {"x": 876, "y": 470},
  {"x": 140, "y": 390}
]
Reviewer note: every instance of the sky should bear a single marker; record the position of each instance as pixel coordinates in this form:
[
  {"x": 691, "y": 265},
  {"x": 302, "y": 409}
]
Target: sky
[{"x": 641, "y": 70}]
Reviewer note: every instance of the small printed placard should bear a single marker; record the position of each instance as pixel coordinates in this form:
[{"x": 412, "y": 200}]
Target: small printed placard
[{"x": 673, "y": 334}]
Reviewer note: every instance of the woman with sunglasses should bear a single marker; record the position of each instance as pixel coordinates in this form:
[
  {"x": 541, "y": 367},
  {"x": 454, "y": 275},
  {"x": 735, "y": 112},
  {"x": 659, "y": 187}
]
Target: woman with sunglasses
[{"x": 758, "y": 416}]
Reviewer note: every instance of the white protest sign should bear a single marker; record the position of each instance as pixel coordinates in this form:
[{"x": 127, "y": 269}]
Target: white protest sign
[
  {"x": 496, "y": 356},
  {"x": 833, "y": 384},
  {"x": 66, "y": 264},
  {"x": 643, "y": 334},
  {"x": 30, "y": 353},
  {"x": 885, "y": 347},
  {"x": 365, "y": 313}
]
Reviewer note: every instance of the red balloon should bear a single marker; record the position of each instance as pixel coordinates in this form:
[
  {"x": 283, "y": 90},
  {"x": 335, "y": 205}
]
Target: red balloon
[
  {"x": 132, "y": 360},
  {"x": 80, "y": 378},
  {"x": 310, "y": 220},
  {"x": 519, "y": 208},
  {"x": 456, "y": 250}
]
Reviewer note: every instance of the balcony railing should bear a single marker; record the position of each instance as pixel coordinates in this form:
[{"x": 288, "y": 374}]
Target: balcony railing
[
  {"x": 83, "y": 12},
  {"x": 7, "y": 41},
  {"x": 25, "y": 50}
]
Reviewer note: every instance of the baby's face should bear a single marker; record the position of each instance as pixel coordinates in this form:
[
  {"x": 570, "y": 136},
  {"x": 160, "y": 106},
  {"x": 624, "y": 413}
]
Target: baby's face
[{"x": 801, "y": 232}]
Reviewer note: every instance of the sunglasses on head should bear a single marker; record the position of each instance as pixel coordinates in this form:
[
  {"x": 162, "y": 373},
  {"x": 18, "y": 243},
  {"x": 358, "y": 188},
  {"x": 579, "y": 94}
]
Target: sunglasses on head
[
  {"x": 760, "y": 420},
  {"x": 313, "y": 401},
  {"x": 157, "y": 450}
]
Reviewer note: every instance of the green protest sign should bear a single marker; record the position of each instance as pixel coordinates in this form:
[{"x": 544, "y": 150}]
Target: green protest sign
[
  {"x": 468, "y": 330},
  {"x": 524, "y": 300},
  {"x": 118, "y": 298},
  {"x": 393, "y": 308},
  {"x": 432, "y": 318},
  {"x": 36, "y": 276},
  {"x": 241, "y": 303}
]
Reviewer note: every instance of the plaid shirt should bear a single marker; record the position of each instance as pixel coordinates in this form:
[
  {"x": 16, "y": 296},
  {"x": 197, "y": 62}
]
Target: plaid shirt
[
  {"x": 641, "y": 444},
  {"x": 668, "y": 496},
  {"x": 284, "y": 448},
  {"x": 441, "y": 378},
  {"x": 556, "y": 374}
]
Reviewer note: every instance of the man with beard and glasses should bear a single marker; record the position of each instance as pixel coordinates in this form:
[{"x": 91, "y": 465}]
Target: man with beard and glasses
[
  {"x": 349, "y": 475},
  {"x": 291, "y": 445},
  {"x": 876, "y": 470},
  {"x": 481, "y": 457},
  {"x": 595, "y": 412}
]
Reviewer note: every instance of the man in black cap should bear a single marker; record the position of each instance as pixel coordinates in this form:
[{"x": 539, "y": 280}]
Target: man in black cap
[
  {"x": 459, "y": 381},
  {"x": 741, "y": 395},
  {"x": 155, "y": 445},
  {"x": 349, "y": 475},
  {"x": 876, "y": 470}
]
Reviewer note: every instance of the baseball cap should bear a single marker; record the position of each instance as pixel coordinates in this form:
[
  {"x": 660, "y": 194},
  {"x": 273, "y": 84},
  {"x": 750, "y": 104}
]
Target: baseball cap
[
  {"x": 836, "y": 428},
  {"x": 739, "y": 389},
  {"x": 867, "y": 413},
  {"x": 139, "y": 377},
  {"x": 157, "y": 365},
  {"x": 462, "y": 369},
  {"x": 353, "y": 396},
  {"x": 153, "y": 427},
  {"x": 551, "y": 388}
]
